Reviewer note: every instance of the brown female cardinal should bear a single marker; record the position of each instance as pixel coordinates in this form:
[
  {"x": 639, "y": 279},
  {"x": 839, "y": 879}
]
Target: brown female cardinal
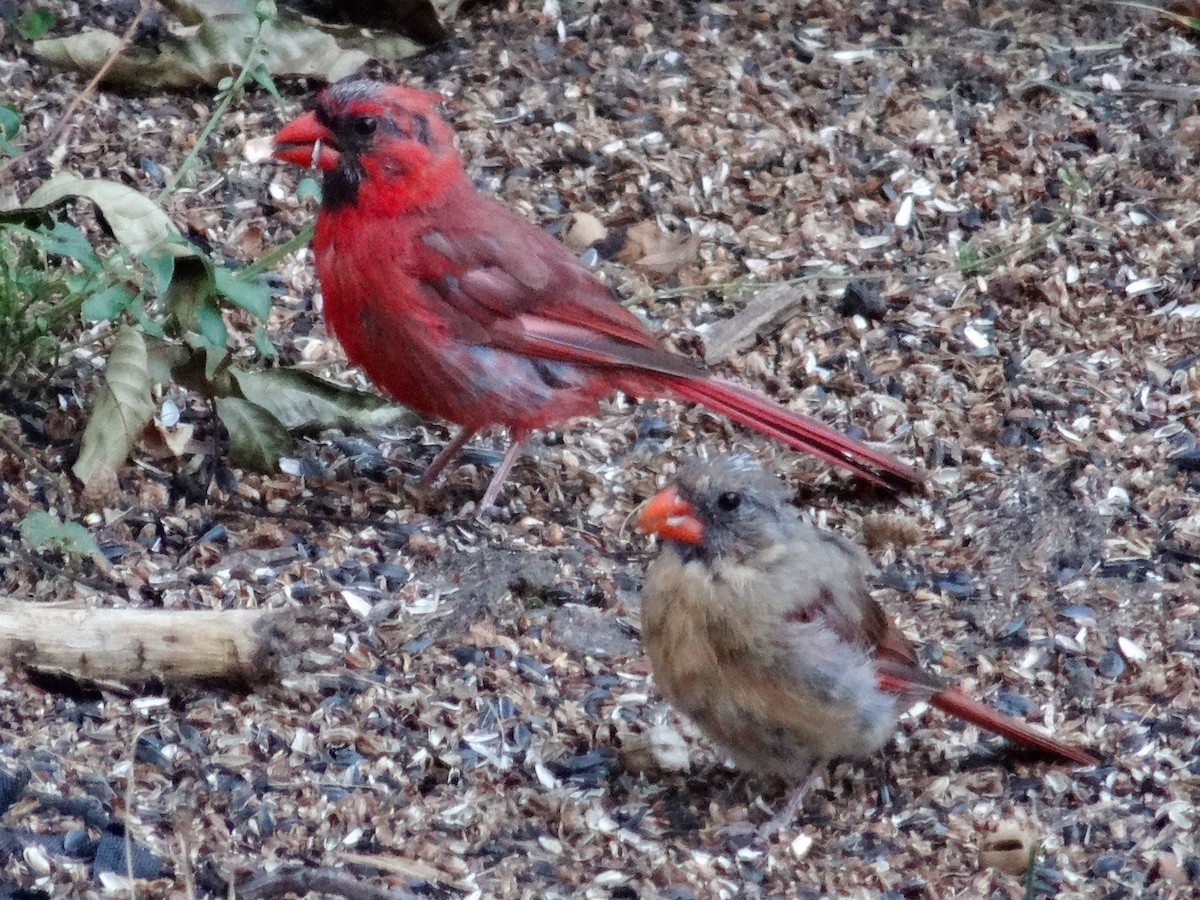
[
  {"x": 761, "y": 629},
  {"x": 464, "y": 311}
]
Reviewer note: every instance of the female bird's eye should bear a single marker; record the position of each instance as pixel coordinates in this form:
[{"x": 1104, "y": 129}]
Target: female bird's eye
[
  {"x": 364, "y": 126},
  {"x": 729, "y": 501}
]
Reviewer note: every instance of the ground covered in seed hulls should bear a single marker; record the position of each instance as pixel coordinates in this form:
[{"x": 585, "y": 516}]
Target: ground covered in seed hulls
[{"x": 988, "y": 213}]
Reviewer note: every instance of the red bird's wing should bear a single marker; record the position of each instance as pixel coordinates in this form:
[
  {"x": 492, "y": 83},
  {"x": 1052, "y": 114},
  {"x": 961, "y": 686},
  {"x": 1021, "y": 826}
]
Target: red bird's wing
[
  {"x": 517, "y": 290},
  {"x": 533, "y": 297}
]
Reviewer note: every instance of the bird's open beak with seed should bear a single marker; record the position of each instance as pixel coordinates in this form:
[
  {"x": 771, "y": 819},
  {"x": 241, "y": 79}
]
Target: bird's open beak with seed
[
  {"x": 306, "y": 142},
  {"x": 671, "y": 517}
]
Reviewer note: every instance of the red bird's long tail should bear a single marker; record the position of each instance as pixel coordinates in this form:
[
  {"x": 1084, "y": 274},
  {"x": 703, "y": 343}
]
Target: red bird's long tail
[
  {"x": 797, "y": 431},
  {"x": 956, "y": 703}
]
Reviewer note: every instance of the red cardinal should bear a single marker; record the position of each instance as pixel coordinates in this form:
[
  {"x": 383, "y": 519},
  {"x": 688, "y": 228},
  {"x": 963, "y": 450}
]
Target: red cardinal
[
  {"x": 462, "y": 310},
  {"x": 761, "y": 629}
]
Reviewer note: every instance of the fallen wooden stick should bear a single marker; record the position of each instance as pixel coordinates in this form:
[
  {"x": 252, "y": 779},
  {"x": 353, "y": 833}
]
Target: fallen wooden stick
[{"x": 235, "y": 648}]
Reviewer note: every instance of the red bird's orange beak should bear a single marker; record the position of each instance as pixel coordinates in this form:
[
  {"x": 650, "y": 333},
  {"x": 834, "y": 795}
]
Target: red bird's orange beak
[
  {"x": 672, "y": 518},
  {"x": 306, "y": 142}
]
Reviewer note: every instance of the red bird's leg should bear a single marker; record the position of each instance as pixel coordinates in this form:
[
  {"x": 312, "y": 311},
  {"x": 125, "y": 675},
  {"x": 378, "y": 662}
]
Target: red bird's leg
[
  {"x": 443, "y": 459},
  {"x": 506, "y": 464}
]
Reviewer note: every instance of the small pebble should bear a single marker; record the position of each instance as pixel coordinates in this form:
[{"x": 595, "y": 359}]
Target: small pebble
[
  {"x": 862, "y": 298},
  {"x": 1111, "y": 665},
  {"x": 1077, "y": 613},
  {"x": 468, "y": 656}
]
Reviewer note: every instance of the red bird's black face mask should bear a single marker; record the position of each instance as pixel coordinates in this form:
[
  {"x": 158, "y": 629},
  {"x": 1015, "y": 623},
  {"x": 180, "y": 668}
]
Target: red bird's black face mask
[{"x": 360, "y": 131}]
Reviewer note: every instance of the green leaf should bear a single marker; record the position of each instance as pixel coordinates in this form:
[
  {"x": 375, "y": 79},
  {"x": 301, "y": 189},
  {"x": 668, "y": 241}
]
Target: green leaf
[
  {"x": 136, "y": 221},
  {"x": 45, "y": 346},
  {"x": 161, "y": 266},
  {"x": 10, "y": 125},
  {"x": 66, "y": 240},
  {"x": 212, "y": 336},
  {"x": 263, "y": 344},
  {"x": 190, "y": 287},
  {"x": 256, "y": 438},
  {"x": 40, "y": 529},
  {"x": 152, "y": 327},
  {"x": 106, "y": 305},
  {"x": 213, "y": 358},
  {"x": 10, "y": 121},
  {"x": 164, "y": 359},
  {"x": 262, "y": 76},
  {"x": 34, "y": 24},
  {"x": 252, "y": 295},
  {"x": 301, "y": 400},
  {"x": 211, "y": 326},
  {"x": 123, "y": 408}
]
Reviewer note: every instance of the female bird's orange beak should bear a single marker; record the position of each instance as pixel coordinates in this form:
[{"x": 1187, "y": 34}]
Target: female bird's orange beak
[
  {"x": 672, "y": 518},
  {"x": 306, "y": 142}
]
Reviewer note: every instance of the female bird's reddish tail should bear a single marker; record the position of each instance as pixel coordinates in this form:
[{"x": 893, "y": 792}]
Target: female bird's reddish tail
[
  {"x": 956, "y": 703},
  {"x": 797, "y": 431}
]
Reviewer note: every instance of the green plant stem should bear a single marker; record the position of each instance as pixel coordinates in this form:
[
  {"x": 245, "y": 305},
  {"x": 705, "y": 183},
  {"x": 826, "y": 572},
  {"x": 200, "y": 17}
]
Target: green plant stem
[
  {"x": 235, "y": 90},
  {"x": 1033, "y": 242},
  {"x": 263, "y": 263},
  {"x": 1030, "y": 878}
]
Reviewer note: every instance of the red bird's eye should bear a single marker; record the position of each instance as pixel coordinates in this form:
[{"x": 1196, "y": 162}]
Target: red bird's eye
[{"x": 364, "y": 126}]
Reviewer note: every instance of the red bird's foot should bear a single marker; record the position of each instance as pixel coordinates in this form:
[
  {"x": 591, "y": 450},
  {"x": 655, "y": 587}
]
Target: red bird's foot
[
  {"x": 443, "y": 459},
  {"x": 451, "y": 450},
  {"x": 497, "y": 483}
]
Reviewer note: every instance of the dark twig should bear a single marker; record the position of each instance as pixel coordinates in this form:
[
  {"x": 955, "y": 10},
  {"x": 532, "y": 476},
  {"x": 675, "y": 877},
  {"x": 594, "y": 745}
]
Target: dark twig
[{"x": 65, "y": 121}]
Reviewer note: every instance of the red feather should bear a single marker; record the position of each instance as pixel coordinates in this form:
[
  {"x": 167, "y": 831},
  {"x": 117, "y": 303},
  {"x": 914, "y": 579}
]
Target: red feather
[{"x": 954, "y": 702}]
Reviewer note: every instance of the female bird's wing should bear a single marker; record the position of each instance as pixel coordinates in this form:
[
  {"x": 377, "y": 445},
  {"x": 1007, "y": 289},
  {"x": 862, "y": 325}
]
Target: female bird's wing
[
  {"x": 836, "y": 594},
  {"x": 845, "y": 605}
]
